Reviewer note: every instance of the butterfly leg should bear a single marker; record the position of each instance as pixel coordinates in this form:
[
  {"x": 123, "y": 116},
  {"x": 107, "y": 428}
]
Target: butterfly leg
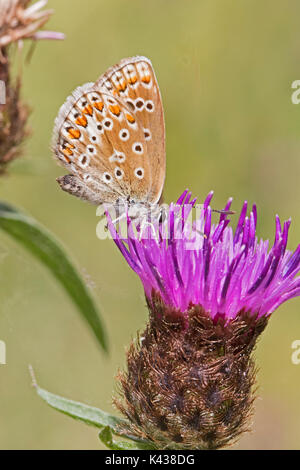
[
  {"x": 145, "y": 224},
  {"x": 119, "y": 214},
  {"x": 120, "y": 217}
]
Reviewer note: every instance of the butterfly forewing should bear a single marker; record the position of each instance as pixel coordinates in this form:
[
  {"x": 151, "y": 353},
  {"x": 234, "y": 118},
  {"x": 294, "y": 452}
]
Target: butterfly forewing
[{"x": 110, "y": 135}]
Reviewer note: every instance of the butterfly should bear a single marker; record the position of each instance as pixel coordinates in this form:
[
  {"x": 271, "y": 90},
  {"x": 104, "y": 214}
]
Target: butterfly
[{"x": 110, "y": 136}]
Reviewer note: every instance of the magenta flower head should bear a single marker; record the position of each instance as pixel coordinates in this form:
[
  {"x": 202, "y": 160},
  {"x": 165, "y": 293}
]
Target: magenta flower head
[{"x": 210, "y": 291}]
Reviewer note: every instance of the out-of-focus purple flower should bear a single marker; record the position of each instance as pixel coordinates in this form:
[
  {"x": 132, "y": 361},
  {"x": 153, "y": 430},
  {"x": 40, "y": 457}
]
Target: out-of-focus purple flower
[{"x": 225, "y": 271}]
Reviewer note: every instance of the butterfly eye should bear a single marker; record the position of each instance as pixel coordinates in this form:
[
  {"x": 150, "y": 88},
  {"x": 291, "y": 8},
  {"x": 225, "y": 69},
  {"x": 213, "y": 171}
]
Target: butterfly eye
[{"x": 139, "y": 173}]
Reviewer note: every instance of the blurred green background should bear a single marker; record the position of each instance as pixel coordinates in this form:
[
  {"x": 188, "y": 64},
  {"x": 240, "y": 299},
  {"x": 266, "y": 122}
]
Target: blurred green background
[{"x": 225, "y": 70}]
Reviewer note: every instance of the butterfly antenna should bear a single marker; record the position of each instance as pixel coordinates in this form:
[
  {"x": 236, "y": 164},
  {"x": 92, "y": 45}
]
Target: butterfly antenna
[{"x": 224, "y": 212}]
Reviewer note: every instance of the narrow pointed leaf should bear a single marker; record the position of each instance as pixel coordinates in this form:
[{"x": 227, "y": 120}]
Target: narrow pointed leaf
[
  {"x": 49, "y": 251},
  {"x": 86, "y": 413},
  {"x": 90, "y": 415}
]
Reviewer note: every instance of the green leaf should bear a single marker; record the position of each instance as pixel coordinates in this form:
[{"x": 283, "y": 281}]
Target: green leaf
[
  {"x": 107, "y": 438},
  {"x": 52, "y": 254},
  {"x": 94, "y": 417},
  {"x": 88, "y": 414}
]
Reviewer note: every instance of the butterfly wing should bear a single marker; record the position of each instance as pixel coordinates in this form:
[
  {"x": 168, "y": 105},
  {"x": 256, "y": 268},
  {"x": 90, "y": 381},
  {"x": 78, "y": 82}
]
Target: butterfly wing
[{"x": 110, "y": 136}]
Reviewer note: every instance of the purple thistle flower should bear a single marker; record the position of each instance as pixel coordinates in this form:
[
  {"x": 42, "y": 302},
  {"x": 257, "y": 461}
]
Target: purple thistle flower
[
  {"x": 190, "y": 376},
  {"x": 211, "y": 265}
]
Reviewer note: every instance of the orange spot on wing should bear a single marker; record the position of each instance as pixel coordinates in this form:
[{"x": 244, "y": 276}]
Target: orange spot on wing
[
  {"x": 88, "y": 110},
  {"x": 67, "y": 151},
  {"x": 99, "y": 105},
  {"x": 74, "y": 133},
  {"x": 81, "y": 121},
  {"x": 130, "y": 118},
  {"x": 122, "y": 86},
  {"x": 115, "y": 109},
  {"x": 132, "y": 80},
  {"x": 146, "y": 79}
]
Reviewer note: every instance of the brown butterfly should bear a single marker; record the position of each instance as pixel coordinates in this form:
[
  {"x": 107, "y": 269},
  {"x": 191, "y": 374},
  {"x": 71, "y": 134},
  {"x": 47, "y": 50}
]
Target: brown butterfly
[{"x": 110, "y": 135}]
